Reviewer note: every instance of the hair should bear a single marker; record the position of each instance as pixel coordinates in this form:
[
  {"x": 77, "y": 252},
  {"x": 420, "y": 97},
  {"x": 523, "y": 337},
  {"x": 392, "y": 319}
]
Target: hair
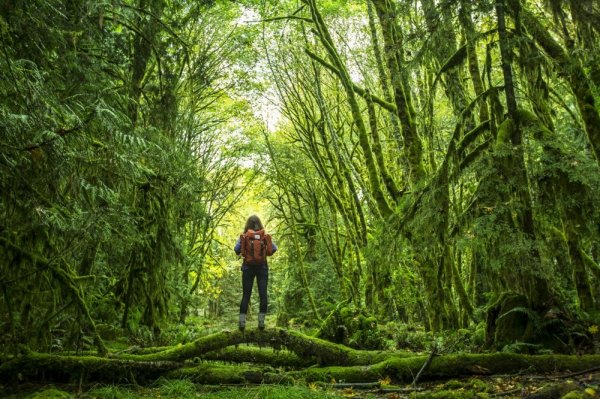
[{"x": 253, "y": 223}]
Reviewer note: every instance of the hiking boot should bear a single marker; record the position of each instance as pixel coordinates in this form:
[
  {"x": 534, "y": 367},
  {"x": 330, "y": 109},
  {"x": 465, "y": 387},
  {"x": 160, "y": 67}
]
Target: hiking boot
[
  {"x": 261, "y": 321},
  {"x": 242, "y": 324}
]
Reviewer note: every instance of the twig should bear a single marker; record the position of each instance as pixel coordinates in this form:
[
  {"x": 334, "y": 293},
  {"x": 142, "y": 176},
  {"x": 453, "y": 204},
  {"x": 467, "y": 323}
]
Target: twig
[
  {"x": 356, "y": 385},
  {"x": 291, "y": 16},
  {"x": 425, "y": 365},
  {"x": 558, "y": 377},
  {"x": 400, "y": 390},
  {"x": 282, "y": 18}
]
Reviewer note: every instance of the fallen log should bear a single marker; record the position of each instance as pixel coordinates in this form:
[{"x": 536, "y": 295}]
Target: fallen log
[
  {"x": 219, "y": 374},
  {"x": 402, "y": 370},
  {"x": 398, "y": 370},
  {"x": 239, "y": 354},
  {"x": 43, "y": 366},
  {"x": 265, "y": 356},
  {"x": 202, "y": 361},
  {"x": 324, "y": 352}
]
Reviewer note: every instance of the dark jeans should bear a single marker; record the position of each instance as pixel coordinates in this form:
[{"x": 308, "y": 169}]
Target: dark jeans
[{"x": 262, "y": 278}]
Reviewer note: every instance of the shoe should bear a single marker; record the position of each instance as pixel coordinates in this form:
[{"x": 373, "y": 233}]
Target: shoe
[
  {"x": 261, "y": 321},
  {"x": 242, "y": 324}
]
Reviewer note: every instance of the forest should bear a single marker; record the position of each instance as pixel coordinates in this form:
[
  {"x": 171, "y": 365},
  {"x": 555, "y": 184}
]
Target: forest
[{"x": 428, "y": 169}]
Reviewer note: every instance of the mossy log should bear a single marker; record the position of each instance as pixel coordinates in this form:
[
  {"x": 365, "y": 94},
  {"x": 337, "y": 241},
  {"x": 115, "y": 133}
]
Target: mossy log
[
  {"x": 218, "y": 374},
  {"x": 43, "y": 366},
  {"x": 323, "y": 352},
  {"x": 328, "y": 362},
  {"x": 265, "y": 356},
  {"x": 399, "y": 370},
  {"x": 403, "y": 370}
]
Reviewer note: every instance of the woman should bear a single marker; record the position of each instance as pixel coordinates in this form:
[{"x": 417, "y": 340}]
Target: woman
[{"x": 253, "y": 268}]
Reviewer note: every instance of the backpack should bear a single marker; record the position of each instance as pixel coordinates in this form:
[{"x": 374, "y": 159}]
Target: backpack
[{"x": 256, "y": 246}]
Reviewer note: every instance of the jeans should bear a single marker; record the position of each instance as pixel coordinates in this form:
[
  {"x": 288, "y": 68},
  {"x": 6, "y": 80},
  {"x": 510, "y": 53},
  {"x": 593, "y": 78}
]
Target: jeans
[{"x": 262, "y": 278}]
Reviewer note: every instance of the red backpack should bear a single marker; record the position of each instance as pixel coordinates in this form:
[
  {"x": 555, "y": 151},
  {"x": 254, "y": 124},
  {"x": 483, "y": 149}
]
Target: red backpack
[{"x": 256, "y": 246}]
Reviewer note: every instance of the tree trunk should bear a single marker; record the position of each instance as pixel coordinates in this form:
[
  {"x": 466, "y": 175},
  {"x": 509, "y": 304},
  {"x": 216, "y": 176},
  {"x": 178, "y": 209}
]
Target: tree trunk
[
  {"x": 514, "y": 169},
  {"x": 570, "y": 68},
  {"x": 393, "y": 49},
  {"x": 363, "y": 138},
  {"x": 383, "y": 77}
]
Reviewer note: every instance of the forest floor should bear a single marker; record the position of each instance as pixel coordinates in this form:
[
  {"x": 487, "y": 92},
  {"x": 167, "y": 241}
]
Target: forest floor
[{"x": 524, "y": 384}]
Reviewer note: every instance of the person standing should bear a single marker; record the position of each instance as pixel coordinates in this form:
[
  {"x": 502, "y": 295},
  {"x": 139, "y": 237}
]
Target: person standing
[{"x": 254, "y": 245}]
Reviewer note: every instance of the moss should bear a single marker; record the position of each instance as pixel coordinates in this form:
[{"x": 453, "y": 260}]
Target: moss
[
  {"x": 557, "y": 390},
  {"x": 473, "y": 384},
  {"x": 479, "y": 385},
  {"x": 256, "y": 355},
  {"x": 478, "y": 336},
  {"x": 111, "y": 392},
  {"x": 272, "y": 392},
  {"x": 454, "y": 384},
  {"x": 450, "y": 394},
  {"x": 350, "y": 365},
  {"x": 576, "y": 395},
  {"x": 521, "y": 347},
  {"x": 51, "y": 393},
  {"x": 352, "y": 327},
  {"x": 210, "y": 373},
  {"x": 534, "y": 124},
  {"x": 505, "y": 131}
]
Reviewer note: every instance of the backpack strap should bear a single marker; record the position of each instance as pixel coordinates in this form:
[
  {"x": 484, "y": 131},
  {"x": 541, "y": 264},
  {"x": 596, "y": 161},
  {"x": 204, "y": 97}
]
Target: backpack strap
[
  {"x": 269, "y": 242},
  {"x": 243, "y": 245}
]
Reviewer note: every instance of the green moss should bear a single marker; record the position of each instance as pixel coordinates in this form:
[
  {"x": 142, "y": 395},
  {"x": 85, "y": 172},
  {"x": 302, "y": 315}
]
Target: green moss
[
  {"x": 505, "y": 131},
  {"x": 521, "y": 347},
  {"x": 111, "y": 392},
  {"x": 479, "y": 335},
  {"x": 576, "y": 395},
  {"x": 257, "y": 355},
  {"x": 352, "y": 327},
  {"x": 273, "y": 392},
  {"x": 187, "y": 390},
  {"x": 474, "y": 384},
  {"x": 51, "y": 393},
  {"x": 451, "y": 394},
  {"x": 454, "y": 384}
]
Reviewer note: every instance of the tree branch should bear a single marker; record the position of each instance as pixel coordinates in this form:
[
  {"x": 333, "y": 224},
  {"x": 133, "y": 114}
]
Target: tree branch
[
  {"x": 295, "y": 17},
  {"x": 358, "y": 90}
]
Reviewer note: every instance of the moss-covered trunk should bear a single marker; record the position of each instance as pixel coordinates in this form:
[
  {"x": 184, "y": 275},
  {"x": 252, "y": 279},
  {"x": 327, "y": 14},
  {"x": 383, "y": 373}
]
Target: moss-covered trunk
[{"x": 571, "y": 69}]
